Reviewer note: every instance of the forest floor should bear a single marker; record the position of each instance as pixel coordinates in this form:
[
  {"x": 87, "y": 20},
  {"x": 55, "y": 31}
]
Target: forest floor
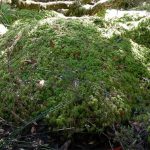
[{"x": 119, "y": 44}]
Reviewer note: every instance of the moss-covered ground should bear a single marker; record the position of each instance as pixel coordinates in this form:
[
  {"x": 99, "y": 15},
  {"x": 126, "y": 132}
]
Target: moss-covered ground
[{"x": 105, "y": 79}]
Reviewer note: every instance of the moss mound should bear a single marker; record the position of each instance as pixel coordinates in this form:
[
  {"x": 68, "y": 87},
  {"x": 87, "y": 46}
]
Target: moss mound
[{"x": 59, "y": 60}]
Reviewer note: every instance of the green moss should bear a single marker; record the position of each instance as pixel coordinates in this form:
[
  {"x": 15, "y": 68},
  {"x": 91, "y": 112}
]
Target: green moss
[
  {"x": 101, "y": 77},
  {"x": 8, "y": 15},
  {"x": 141, "y": 33}
]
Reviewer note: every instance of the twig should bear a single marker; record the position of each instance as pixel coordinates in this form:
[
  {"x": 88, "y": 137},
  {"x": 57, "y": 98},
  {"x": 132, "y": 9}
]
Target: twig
[
  {"x": 10, "y": 49},
  {"x": 2, "y": 120},
  {"x": 64, "y": 129},
  {"x": 108, "y": 141},
  {"x": 17, "y": 117},
  {"x": 119, "y": 139}
]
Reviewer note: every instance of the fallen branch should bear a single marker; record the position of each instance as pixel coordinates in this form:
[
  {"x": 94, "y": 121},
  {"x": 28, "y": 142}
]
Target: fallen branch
[
  {"x": 75, "y": 8},
  {"x": 80, "y": 10},
  {"x": 100, "y": 5},
  {"x": 46, "y": 6}
]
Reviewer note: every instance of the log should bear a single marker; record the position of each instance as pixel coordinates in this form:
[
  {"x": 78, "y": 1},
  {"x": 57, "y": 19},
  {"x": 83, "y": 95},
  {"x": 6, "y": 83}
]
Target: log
[
  {"x": 77, "y": 8},
  {"x": 46, "y": 6}
]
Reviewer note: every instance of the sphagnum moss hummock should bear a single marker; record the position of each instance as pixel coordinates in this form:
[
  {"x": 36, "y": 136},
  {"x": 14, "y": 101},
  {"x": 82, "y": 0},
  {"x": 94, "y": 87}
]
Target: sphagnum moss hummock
[{"x": 69, "y": 60}]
